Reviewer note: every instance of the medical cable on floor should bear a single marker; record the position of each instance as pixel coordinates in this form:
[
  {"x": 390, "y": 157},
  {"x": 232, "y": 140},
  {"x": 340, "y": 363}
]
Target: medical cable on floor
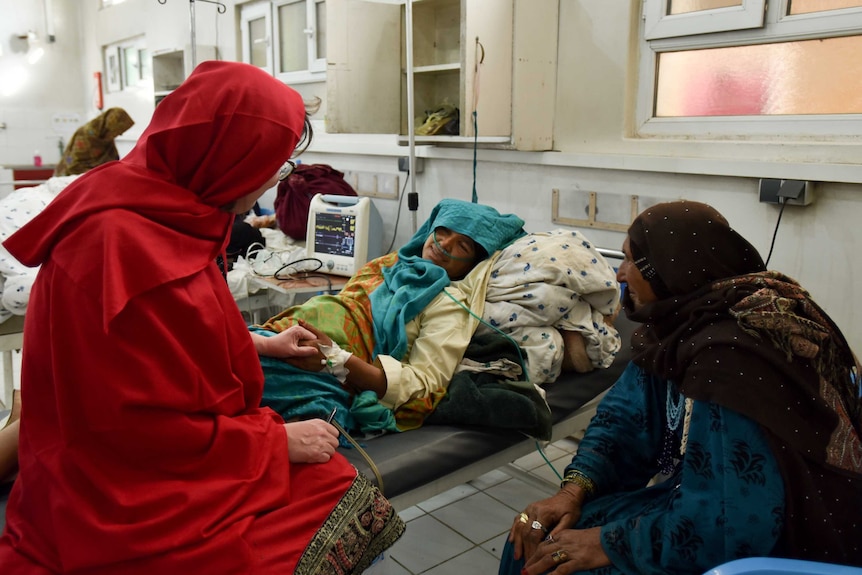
[{"x": 355, "y": 444}]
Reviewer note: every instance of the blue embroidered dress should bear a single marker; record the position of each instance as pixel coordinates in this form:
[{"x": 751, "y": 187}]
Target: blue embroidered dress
[{"x": 723, "y": 499}]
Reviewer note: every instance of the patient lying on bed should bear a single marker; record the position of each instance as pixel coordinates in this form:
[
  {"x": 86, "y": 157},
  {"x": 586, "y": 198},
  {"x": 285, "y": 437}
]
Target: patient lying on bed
[
  {"x": 401, "y": 326},
  {"x": 402, "y": 319}
]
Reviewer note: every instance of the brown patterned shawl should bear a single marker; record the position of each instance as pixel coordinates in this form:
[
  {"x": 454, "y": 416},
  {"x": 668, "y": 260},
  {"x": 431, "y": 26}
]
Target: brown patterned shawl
[
  {"x": 755, "y": 342},
  {"x": 93, "y": 143}
]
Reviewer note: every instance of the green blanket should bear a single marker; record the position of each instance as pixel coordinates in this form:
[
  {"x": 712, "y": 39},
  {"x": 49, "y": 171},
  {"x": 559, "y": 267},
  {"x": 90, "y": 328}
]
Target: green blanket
[{"x": 482, "y": 398}]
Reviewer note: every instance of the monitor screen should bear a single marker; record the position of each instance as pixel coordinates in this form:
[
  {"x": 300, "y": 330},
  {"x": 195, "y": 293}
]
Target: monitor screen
[
  {"x": 334, "y": 234},
  {"x": 343, "y": 233}
]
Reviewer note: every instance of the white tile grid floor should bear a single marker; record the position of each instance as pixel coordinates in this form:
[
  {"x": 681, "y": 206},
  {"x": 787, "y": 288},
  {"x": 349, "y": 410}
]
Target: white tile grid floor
[{"x": 463, "y": 530}]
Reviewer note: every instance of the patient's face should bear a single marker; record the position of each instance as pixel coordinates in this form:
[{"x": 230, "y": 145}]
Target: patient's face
[
  {"x": 454, "y": 252},
  {"x": 638, "y": 289},
  {"x": 245, "y": 203}
]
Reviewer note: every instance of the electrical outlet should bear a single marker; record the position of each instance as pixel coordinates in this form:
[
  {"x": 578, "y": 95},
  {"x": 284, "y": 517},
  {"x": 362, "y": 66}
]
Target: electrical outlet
[
  {"x": 794, "y": 192},
  {"x": 404, "y": 164}
]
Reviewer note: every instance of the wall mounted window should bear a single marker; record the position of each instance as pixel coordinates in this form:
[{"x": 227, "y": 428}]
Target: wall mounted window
[
  {"x": 710, "y": 69},
  {"x": 287, "y": 38},
  {"x": 128, "y": 65}
]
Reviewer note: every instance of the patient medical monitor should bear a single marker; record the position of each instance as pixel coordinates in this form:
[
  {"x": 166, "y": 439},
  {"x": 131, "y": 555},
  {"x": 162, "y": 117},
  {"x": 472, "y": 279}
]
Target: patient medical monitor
[{"x": 344, "y": 232}]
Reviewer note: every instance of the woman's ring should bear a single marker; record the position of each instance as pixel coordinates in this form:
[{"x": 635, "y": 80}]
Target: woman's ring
[
  {"x": 522, "y": 517},
  {"x": 559, "y": 556},
  {"x": 537, "y": 525}
]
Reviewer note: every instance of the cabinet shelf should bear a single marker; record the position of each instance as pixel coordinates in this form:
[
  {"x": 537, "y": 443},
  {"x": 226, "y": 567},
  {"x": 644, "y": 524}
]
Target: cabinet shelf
[
  {"x": 437, "y": 68},
  {"x": 460, "y": 140},
  {"x": 171, "y": 67}
]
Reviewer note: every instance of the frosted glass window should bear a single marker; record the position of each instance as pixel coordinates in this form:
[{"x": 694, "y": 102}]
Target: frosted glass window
[
  {"x": 687, "y": 6},
  {"x": 258, "y": 40},
  {"x": 131, "y": 66},
  {"x": 803, "y": 77},
  {"x": 320, "y": 23},
  {"x": 146, "y": 63},
  {"x": 808, "y": 6},
  {"x": 291, "y": 37}
]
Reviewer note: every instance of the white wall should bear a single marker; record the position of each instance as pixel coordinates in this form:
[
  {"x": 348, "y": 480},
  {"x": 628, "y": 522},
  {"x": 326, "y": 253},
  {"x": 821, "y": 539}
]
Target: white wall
[
  {"x": 51, "y": 96},
  {"x": 598, "y": 59}
]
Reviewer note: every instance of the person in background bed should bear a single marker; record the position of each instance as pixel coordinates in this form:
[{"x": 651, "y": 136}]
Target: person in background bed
[
  {"x": 741, "y": 403},
  {"x": 143, "y": 448},
  {"x": 93, "y": 143},
  {"x": 393, "y": 335}
]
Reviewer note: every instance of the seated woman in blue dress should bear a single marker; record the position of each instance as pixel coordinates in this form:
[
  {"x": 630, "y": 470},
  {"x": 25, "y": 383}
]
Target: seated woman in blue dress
[{"x": 733, "y": 433}]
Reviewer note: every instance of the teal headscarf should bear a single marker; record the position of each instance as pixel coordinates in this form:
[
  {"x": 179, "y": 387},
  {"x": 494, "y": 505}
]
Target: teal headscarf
[{"x": 411, "y": 284}]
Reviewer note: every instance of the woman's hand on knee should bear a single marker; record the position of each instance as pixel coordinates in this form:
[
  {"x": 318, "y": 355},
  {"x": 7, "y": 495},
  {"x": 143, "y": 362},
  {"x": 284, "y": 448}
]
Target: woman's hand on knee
[
  {"x": 310, "y": 441},
  {"x": 540, "y": 519},
  {"x": 568, "y": 550}
]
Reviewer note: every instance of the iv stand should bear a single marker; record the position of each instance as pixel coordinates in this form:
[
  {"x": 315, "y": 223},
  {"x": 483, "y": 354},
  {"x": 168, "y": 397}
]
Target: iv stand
[
  {"x": 221, "y": 10},
  {"x": 413, "y": 197}
]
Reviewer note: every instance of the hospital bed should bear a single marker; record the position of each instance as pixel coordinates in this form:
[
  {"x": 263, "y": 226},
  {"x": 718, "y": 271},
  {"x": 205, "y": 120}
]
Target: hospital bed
[{"x": 418, "y": 464}]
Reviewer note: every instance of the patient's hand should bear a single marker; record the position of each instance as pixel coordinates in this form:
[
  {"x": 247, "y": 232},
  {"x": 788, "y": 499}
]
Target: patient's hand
[
  {"x": 310, "y": 441},
  {"x": 311, "y": 362}
]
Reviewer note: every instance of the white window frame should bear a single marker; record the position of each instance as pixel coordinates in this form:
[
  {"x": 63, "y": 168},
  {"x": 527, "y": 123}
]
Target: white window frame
[
  {"x": 137, "y": 45},
  {"x": 252, "y": 12},
  {"x": 660, "y": 24},
  {"x": 117, "y": 50},
  {"x": 268, "y": 9},
  {"x": 776, "y": 28}
]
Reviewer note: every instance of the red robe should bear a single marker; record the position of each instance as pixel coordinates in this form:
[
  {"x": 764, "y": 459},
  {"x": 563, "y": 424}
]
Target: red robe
[{"x": 143, "y": 447}]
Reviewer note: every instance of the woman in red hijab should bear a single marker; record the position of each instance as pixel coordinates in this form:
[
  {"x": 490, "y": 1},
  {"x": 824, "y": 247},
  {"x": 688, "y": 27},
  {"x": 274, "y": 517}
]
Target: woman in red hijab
[{"x": 142, "y": 446}]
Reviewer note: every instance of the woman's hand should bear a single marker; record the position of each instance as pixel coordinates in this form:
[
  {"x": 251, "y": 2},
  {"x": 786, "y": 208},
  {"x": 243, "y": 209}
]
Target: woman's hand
[
  {"x": 290, "y": 343},
  {"x": 548, "y": 516},
  {"x": 310, "y": 441},
  {"x": 316, "y": 334},
  {"x": 568, "y": 550}
]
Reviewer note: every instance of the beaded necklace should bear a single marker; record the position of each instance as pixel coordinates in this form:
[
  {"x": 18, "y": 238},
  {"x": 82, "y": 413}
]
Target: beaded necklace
[{"x": 676, "y": 404}]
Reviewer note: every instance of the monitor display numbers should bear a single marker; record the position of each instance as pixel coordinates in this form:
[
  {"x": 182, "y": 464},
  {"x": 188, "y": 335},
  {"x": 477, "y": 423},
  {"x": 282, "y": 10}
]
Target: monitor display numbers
[{"x": 335, "y": 234}]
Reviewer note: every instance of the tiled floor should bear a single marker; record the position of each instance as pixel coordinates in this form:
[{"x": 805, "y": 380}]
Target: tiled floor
[{"x": 463, "y": 530}]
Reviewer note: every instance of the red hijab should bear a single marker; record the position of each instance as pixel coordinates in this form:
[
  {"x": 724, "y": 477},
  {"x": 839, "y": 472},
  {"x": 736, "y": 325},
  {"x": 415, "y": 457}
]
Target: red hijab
[{"x": 218, "y": 137}]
